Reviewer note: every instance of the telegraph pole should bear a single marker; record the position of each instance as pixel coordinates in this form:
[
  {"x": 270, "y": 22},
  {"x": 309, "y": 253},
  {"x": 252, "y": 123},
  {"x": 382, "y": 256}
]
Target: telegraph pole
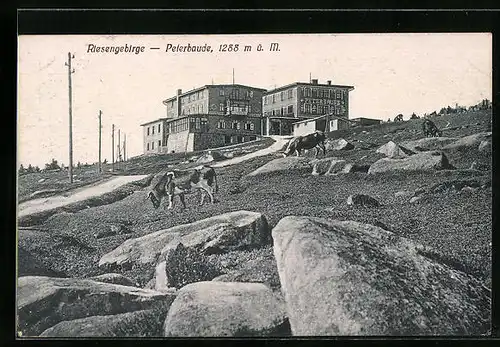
[
  {"x": 119, "y": 151},
  {"x": 112, "y": 147},
  {"x": 99, "y": 168},
  {"x": 70, "y": 71},
  {"x": 125, "y": 147}
]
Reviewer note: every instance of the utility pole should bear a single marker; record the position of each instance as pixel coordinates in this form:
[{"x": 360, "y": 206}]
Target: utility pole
[
  {"x": 99, "y": 168},
  {"x": 112, "y": 147},
  {"x": 119, "y": 151},
  {"x": 233, "y": 75},
  {"x": 70, "y": 71},
  {"x": 310, "y": 77},
  {"x": 125, "y": 147}
]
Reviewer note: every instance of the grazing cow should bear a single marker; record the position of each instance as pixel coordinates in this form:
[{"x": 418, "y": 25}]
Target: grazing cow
[
  {"x": 398, "y": 118},
  {"x": 430, "y": 129},
  {"x": 204, "y": 180},
  {"x": 315, "y": 140}
]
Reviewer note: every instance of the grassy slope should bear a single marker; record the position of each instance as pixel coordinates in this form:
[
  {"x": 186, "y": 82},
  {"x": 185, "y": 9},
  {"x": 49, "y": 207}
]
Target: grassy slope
[{"x": 458, "y": 225}]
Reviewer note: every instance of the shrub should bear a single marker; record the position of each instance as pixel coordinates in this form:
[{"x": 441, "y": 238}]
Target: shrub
[{"x": 53, "y": 165}]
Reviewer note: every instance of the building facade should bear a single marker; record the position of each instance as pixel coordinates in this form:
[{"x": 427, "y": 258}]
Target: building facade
[
  {"x": 299, "y": 101},
  {"x": 206, "y": 117},
  {"x": 309, "y": 126}
]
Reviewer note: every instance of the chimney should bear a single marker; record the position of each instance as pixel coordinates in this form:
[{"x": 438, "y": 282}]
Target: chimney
[
  {"x": 329, "y": 83},
  {"x": 179, "y": 92},
  {"x": 314, "y": 81}
]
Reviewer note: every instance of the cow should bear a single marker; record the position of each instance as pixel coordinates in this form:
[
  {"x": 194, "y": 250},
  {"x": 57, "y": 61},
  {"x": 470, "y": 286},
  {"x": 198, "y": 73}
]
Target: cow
[
  {"x": 315, "y": 140},
  {"x": 430, "y": 129},
  {"x": 204, "y": 180},
  {"x": 398, "y": 118}
]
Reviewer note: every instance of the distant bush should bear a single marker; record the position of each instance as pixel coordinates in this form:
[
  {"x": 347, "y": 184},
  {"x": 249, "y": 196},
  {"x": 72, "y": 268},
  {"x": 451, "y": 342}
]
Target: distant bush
[
  {"x": 53, "y": 165},
  {"x": 29, "y": 169}
]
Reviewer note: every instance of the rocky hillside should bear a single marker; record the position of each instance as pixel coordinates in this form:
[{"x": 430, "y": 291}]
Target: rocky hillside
[{"x": 387, "y": 234}]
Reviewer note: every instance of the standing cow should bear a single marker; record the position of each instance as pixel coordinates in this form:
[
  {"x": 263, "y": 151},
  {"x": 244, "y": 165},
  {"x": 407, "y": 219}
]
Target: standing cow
[
  {"x": 430, "y": 129},
  {"x": 315, "y": 140},
  {"x": 204, "y": 180}
]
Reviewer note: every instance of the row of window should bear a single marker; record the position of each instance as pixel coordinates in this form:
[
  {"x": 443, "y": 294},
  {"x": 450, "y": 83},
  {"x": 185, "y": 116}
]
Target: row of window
[
  {"x": 152, "y": 129},
  {"x": 286, "y": 94},
  {"x": 235, "y": 93},
  {"x": 222, "y": 124},
  {"x": 322, "y": 109},
  {"x": 153, "y": 145},
  {"x": 193, "y": 97},
  {"x": 237, "y": 139},
  {"x": 193, "y": 109},
  {"x": 284, "y": 111},
  {"x": 323, "y": 93}
]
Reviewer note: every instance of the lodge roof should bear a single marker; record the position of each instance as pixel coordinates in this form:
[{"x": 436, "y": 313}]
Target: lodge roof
[
  {"x": 306, "y": 84},
  {"x": 211, "y": 85}
]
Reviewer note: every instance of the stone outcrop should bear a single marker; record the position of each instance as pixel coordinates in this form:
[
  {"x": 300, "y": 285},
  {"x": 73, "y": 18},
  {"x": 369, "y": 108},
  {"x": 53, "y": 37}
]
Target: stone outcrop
[
  {"x": 424, "y": 161},
  {"x": 327, "y": 166},
  {"x": 351, "y": 168},
  {"x": 291, "y": 163},
  {"x": 43, "y": 302},
  {"x": 428, "y": 143},
  {"x": 338, "y": 145},
  {"x": 469, "y": 141},
  {"x": 144, "y": 323},
  {"x": 225, "y": 309},
  {"x": 114, "y": 278},
  {"x": 210, "y": 156},
  {"x": 220, "y": 233},
  {"x": 362, "y": 200},
  {"x": 394, "y": 151},
  {"x": 349, "y": 278}
]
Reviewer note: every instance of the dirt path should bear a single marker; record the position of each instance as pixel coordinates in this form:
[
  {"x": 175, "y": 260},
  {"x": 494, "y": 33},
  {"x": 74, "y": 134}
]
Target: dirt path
[
  {"x": 276, "y": 146},
  {"x": 44, "y": 204}
]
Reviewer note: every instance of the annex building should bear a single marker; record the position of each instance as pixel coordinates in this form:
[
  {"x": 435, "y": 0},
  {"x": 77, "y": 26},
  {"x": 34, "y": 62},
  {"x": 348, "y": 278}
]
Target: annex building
[
  {"x": 299, "y": 101},
  {"x": 207, "y": 117}
]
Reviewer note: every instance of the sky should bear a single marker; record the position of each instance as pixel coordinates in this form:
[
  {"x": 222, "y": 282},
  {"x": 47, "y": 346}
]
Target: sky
[{"x": 391, "y": 73}]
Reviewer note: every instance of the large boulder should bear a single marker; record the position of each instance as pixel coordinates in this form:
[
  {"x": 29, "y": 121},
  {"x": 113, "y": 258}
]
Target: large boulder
[
  {"x": 230, "y": 230},
  {"x": 362, "y": 200},
  {"x": 291, "y": 163},
  {"x": 395, "y": 151},
  {"x": 352, "y": 167},
  {"x": 327, "y": 166},
  {"x": 424, "y": 161},
  {"x": 338, "y": 145},
  {"x": 469, "y": 141},
  {"x": 349, "y": 278},
  {"x": 43, "y": 302},
  {"x": 211, "y": 156},
  {"x": 144, "y": 323},
  {"x": 207, "y": 309},
  {"x": 428, "y": 143}
]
